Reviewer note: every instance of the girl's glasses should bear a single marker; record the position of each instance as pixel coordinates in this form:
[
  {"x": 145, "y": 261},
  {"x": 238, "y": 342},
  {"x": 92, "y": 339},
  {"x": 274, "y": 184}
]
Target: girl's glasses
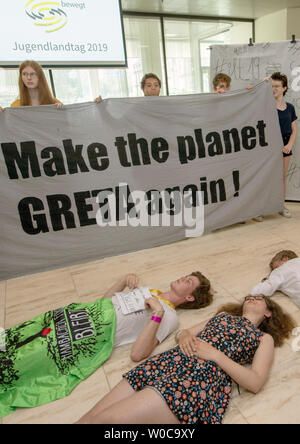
[
  {"x": 257, "y": 298},
  {"x": 29, "y": 74}
]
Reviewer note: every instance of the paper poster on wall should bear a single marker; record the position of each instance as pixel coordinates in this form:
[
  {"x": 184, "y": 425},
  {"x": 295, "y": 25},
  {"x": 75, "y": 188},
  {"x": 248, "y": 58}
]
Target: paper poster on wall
[
  {"x": 62, "y": 33},
  {"x": 247, "y": 64}
]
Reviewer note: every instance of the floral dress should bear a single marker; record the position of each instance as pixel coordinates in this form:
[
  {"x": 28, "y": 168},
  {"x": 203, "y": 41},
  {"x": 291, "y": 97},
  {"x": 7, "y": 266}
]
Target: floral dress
[{"x": 198, "y": 391}]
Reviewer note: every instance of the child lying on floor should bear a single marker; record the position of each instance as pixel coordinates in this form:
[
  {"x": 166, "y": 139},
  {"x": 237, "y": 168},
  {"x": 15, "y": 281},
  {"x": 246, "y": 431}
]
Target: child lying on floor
[{"x": 284, "y": 276}]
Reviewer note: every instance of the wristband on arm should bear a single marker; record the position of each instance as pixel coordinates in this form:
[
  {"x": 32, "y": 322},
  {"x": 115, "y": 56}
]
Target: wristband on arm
[{"x": 156, "y": 319}]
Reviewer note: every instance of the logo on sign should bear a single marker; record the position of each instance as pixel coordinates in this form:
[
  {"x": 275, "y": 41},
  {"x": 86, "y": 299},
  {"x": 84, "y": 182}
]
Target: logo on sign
[{"x": 46, "y": 15}]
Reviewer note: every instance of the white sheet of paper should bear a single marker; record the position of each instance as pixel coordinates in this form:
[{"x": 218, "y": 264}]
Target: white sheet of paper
[{"x": 133, "y": 300}]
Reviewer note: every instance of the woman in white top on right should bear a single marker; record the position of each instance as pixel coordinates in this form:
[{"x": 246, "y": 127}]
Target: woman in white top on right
[{"x": 284, "y": 277}]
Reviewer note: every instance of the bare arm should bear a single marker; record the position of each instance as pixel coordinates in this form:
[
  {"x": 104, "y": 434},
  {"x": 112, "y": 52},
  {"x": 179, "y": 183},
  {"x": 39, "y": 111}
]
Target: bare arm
[
  {"x": 266, "y": 79},
  {"x": 288, "y": 148},
  {"x": 147, "y": 341},
  {"x": 251, "y": 379},
  {"x": 130, "y": 280},
  {"x": 269, "y": 285}
]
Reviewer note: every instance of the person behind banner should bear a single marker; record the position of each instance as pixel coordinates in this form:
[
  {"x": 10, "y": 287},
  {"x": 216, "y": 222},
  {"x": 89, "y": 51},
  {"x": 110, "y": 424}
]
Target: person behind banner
[
  {"x": 148, "y": 324},
  {"x": 288, "y": 126},
  {"x": 192, "y": 382},
  {"x": 150, "y": 85},
  {"x": 284, "y": 276},
  {"x": 221, "y": 83},
  {"x": 33, "y": 87}
]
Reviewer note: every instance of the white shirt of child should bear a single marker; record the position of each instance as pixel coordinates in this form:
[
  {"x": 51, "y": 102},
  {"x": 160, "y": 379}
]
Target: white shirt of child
[
  {"x": 285, "y": 278},
  {"x": 130, "y": 326}
]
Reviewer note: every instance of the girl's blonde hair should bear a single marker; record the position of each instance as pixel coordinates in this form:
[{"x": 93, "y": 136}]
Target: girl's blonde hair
[
  {"x": 280, "y": 325},
  {"x": 283, "y": 254},
  {"x": 45, "y": 95}
]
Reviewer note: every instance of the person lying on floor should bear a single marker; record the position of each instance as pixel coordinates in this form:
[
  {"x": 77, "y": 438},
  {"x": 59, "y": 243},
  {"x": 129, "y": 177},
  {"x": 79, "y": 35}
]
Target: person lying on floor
[
  {"x": 156, "y": 318},
  {"x": 45, "y": 358},
  {"x": 284, "y": 277},
  {"x": 191, "y": 383}
]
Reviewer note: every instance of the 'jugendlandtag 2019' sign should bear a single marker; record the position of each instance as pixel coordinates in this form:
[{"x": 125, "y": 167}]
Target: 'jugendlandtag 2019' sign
[{"x": 76, "y": 32}]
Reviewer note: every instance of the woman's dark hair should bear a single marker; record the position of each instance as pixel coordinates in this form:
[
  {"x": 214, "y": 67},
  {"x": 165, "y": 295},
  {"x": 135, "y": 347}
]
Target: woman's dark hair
[
  {"x": 282, "y": 78},
  {"x": 150, "y": 75}
]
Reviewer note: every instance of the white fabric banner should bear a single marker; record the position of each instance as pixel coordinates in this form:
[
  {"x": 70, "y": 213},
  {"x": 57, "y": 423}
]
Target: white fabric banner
[
  {"x": 250, "y": 64},
  {"x": 96, "y": 180}
]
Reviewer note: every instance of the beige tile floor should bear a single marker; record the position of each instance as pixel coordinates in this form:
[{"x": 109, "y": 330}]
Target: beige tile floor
[{"x": 234, "y": 259}]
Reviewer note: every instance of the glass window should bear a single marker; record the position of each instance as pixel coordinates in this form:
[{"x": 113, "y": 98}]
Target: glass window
[
  {"x": 188, "y": 52},
  {"x": 8, "y": 86},
  {"x": 144, "y": 54},
  {"x": 187, "y": 61}
]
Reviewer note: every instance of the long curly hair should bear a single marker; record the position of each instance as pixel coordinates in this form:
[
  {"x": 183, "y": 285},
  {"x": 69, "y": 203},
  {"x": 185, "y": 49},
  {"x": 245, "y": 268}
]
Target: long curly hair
[
  {"x": 280, "y": 325},
  {"x": 202, "y": 294},
  {"x": 45, "y": 96}
]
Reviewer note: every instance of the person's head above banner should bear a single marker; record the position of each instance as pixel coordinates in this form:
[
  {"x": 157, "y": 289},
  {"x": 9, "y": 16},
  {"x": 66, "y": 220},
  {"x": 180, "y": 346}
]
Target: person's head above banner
[
  {"x": 151, "y": 84},
  {"x": 221, "y": 83},
  {"x": 33, "y": 87}
]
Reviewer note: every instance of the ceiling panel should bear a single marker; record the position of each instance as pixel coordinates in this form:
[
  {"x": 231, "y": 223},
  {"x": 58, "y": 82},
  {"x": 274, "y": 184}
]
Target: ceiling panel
[{"x": 225, "y": 8}]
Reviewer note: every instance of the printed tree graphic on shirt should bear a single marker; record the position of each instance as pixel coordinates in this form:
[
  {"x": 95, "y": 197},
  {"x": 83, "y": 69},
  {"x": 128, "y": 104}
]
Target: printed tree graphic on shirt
[
  {"x": 41, "y": 334},
  {"x": 16, "y": 340},
  {"x": 13, "y": 336}
]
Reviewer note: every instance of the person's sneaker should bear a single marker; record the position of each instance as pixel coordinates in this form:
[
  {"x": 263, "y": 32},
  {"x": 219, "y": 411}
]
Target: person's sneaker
[
  {"x": 286, "y": 212},
  {"x": 258, "y": 219}
]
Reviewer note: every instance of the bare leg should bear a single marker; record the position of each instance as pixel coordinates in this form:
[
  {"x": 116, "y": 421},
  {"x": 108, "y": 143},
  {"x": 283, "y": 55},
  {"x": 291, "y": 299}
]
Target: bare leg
[
  {"x": 286, "y": 163},
  {"x": 118, "y": 393},
  {"x": 143, "y": 407},
  {"x": 125, "y": 406}
]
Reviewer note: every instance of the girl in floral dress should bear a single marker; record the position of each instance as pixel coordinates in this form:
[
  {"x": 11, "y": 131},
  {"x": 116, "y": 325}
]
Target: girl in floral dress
[{"x": 191, "y": 383}]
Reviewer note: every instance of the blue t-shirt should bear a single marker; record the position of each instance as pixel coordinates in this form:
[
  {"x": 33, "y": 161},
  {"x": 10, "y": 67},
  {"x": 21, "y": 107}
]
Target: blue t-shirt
[{"x": 286, "y": 118}]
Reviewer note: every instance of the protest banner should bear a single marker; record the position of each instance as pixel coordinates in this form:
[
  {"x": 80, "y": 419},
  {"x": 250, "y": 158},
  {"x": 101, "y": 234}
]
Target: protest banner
[{"x": 96, "y": 180}]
